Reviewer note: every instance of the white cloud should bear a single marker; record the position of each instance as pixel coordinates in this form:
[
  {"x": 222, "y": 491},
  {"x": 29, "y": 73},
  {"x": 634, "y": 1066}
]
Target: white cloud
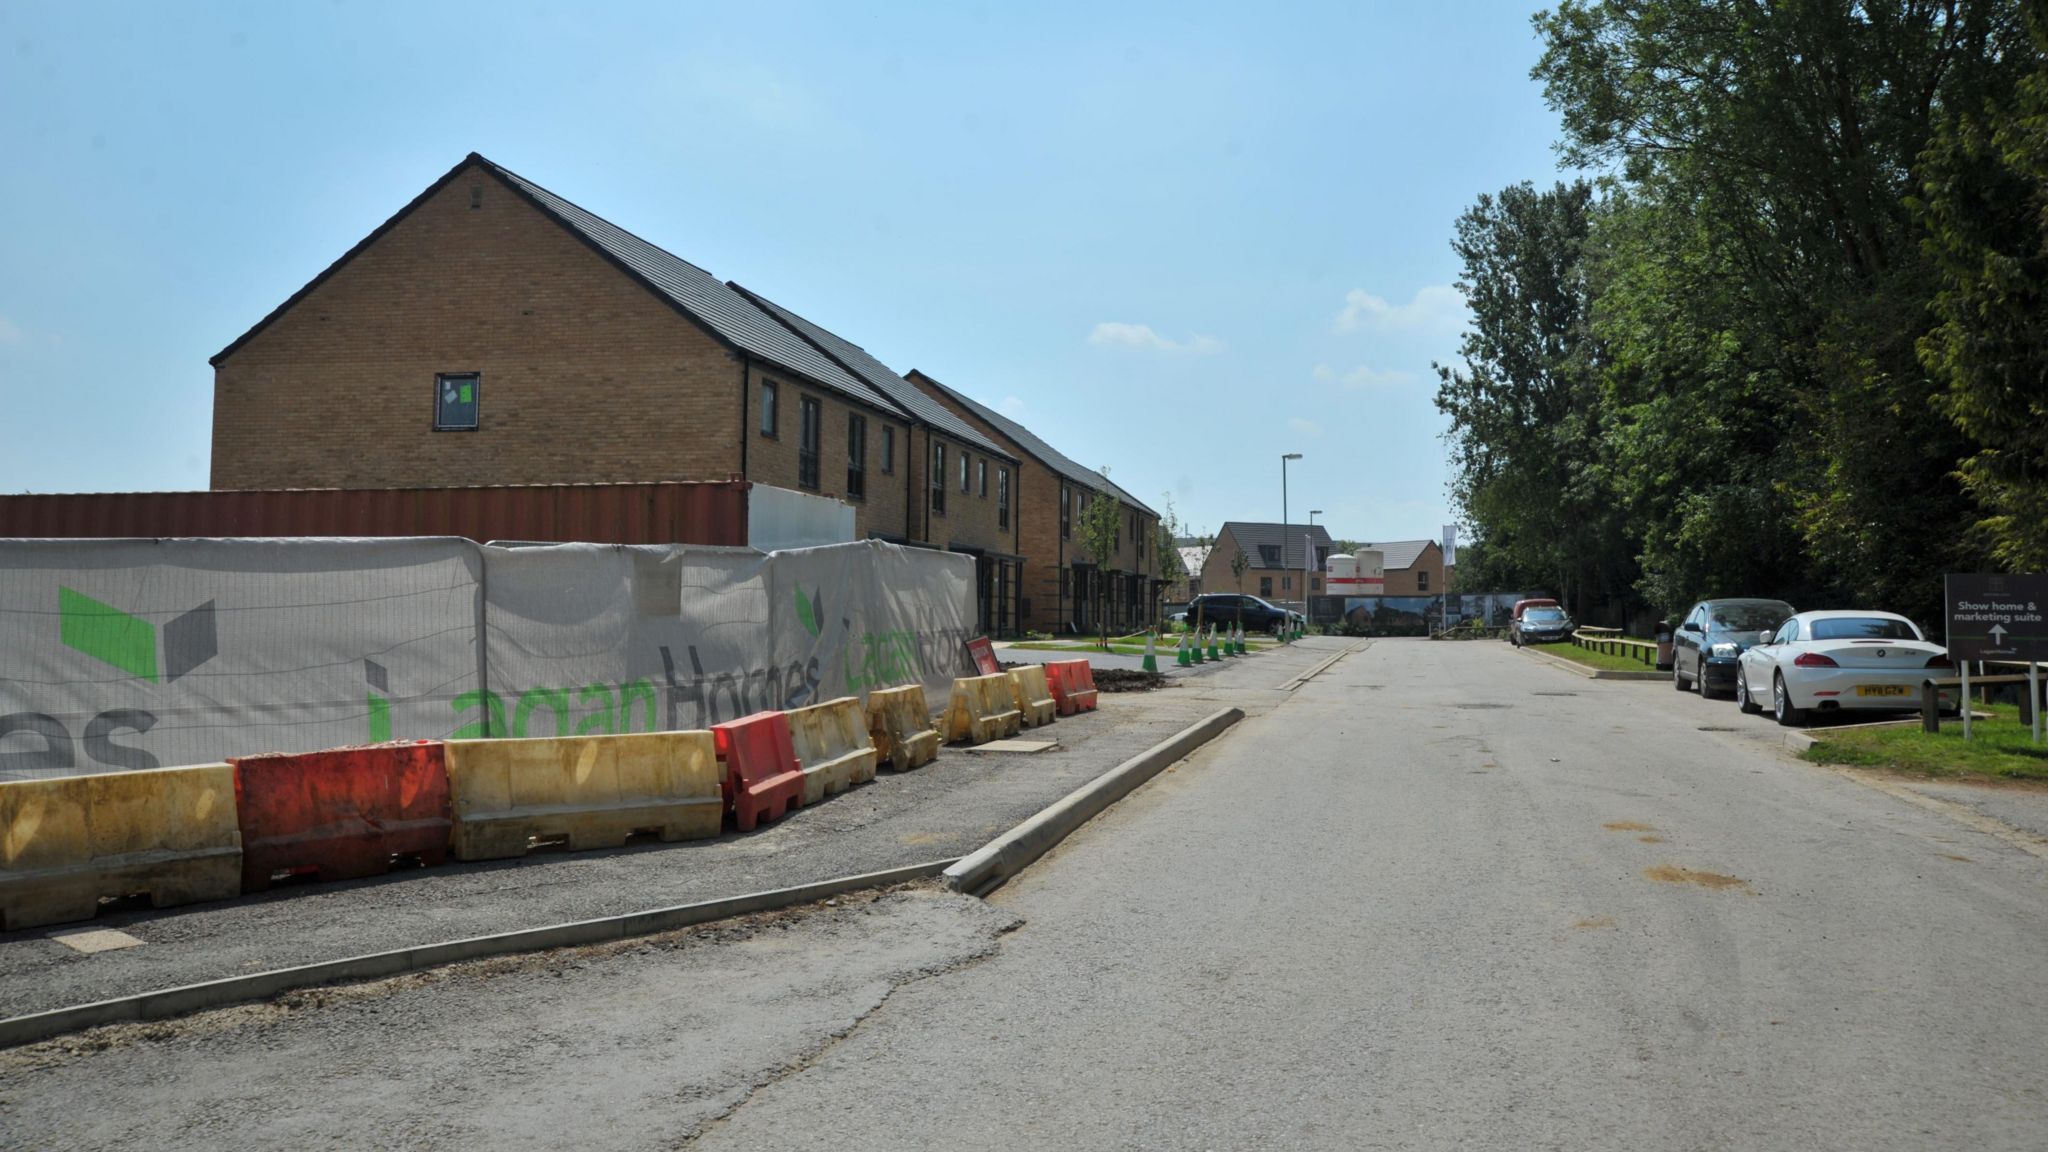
[
  {"x": 1142, "y": 336},
  {"x": 1363, "y": 376},
  {"x": 1438, "y": 307},
  {"x": 1302, "y": 427},
  {"x": 1011, "y": 407}
]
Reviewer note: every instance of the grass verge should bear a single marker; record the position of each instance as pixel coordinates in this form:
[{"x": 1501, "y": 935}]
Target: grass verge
[
  {"x": 1998, "y": 748},
  {"x": 1592, "y": 659}
]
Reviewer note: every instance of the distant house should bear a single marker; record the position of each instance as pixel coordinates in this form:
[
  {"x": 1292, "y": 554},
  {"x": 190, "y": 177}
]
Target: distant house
[
  {"x": 1414, "y": 567},
  {"x": 1278, "y": 565},
  {"x": 1189, "y": 586}
]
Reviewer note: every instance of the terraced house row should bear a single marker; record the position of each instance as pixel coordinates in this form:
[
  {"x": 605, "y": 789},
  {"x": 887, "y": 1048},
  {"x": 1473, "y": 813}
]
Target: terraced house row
[{"x": 492, "y": 332}]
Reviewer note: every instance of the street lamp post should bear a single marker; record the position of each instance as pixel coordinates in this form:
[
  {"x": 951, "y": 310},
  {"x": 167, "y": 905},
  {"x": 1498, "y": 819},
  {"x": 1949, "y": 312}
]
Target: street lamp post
[{"x": 1286, "y": 529}]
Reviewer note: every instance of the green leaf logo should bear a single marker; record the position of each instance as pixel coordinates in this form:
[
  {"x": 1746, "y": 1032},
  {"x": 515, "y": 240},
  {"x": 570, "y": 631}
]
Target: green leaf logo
[{"x": 809, "y": 611}]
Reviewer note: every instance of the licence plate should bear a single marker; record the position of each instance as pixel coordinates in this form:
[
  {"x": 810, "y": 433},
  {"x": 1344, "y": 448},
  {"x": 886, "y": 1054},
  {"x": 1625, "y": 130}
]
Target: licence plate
[{"x": 1883, "y": 690}]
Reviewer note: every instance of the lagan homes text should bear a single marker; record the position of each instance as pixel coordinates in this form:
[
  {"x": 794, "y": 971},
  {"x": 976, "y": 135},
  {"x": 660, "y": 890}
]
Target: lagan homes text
[{"x": 491, "y": 332}]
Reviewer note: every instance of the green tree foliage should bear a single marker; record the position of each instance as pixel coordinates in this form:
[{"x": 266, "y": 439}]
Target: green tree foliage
[
  {"x": 1786, "y": 370},
  {"x": 1098, "y": 531},
  {"x": 1985, "y": 208}
]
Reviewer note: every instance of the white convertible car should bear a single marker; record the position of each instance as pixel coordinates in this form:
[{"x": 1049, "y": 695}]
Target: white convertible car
[{"x": 1825, "y": 661}]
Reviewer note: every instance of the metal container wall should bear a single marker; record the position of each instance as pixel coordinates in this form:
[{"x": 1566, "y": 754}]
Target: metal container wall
[{"x": 674, "y": 512}]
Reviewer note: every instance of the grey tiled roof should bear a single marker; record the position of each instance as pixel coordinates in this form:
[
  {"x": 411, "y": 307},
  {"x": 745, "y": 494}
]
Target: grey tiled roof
[
  {"x": 732, "y": 316},
  {"x": 1039, "y": 450},
  {"x": 1398, "y": 554},
  {"x": 1252, "y": 535},
  {"x": 877, "y": 375}
]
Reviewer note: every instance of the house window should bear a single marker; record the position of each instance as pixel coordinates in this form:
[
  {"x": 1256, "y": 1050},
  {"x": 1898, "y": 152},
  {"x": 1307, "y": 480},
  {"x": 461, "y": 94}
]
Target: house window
[
  {"x": 938, "y": 478},
  {"x": 1422, "y": 581},
  {"x": 455, "y": 401},
  {"x": 888, "y": 450},
  {"x": 1002, "y": 497},
  {"x": 964, "y": 488},
  {"x": 1315, "y": 583},
  {"x": 807, "y": 446},
  {"x": 1066, "y": 515},
  {"x": 769, "y": 414},
  {"x": 981, "y": 478},
  {"x": 857, "y": 457},
  {"x": 1270, "y": 554},
  {"x": 1265, "y": 585},
  {"x": 1287, "y": 583}
]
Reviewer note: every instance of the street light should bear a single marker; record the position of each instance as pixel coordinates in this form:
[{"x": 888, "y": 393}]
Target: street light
[{"x": 1286, "y": 529}]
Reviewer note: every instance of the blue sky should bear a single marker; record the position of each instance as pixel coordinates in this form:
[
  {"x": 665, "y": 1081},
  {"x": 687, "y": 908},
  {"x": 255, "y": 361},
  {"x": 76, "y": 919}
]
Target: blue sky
[{"x": 1176, "y": 239}]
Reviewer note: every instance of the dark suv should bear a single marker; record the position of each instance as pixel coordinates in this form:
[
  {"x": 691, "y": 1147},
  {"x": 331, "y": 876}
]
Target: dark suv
[
  {"x": 1230, "y": 608},
  {"x": 1709, "y": 642}
]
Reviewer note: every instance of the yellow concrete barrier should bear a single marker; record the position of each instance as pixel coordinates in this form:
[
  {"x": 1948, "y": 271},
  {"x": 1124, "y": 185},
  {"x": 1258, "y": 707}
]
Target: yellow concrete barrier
[
  {"x": 592, "y": 791},
  {"x": 901, "y": 727},
  {"x": 1033, "y": 697},
  {"x": 982, "y": 709},
  {"x": 167, "y": 832},
  {"x": 833, "y": 746}
]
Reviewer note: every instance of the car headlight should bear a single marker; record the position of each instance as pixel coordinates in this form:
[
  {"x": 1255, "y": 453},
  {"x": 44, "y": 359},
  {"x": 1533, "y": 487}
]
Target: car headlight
[{"x": 1726, "y": 650}]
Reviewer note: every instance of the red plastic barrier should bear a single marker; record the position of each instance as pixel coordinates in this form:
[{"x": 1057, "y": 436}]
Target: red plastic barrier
[
  {"x": 1073, "y": 685},
  {"x": 763, "y": 780},
  {"x": 343, "y": 813}
]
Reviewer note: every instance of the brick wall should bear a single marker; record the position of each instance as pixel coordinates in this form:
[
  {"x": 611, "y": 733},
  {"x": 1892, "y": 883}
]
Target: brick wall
[
  {"x": 586, "y": 376},
  {"x": 1407, "y": 581},
  {"x": 773, "y": 459}
]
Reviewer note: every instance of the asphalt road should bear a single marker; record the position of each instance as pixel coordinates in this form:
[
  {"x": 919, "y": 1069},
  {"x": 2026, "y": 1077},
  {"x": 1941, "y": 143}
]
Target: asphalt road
[{"x": 1442, "y": 896}]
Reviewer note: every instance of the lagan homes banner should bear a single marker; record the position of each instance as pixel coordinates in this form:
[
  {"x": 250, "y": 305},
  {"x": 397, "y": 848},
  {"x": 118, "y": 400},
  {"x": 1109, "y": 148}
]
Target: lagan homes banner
[{"x": 124, "y": 654}]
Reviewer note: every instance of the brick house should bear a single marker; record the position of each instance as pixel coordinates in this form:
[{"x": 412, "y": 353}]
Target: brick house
[
  {"x": 492, "y": 332},
  {"x": 1277, "y": 567},
  {"x": 1062, "y": 587},
  {"x": 1414, "y": 567}
]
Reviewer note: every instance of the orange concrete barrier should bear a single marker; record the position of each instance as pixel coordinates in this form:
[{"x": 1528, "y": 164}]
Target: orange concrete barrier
[{"x": 1073, "y": 685}]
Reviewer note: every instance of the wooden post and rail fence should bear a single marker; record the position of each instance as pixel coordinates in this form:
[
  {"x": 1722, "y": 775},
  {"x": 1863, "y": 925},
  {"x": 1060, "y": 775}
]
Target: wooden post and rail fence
[{"x": 1611, "y": 642}]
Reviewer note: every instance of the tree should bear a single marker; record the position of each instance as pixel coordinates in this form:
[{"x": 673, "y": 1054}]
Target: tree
[
  {"x": 1098, "y": 531},
  {"x": 1238, "y": 563},
  {"x": 1172, "y": 569}
]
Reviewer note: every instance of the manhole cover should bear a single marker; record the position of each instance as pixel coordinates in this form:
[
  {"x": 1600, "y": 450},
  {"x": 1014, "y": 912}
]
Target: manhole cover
[{"x": 1482, "y": 705}]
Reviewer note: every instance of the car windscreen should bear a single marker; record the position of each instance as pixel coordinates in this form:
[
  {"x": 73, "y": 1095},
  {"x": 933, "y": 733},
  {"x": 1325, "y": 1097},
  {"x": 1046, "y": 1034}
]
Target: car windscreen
[
  {"x": 1862, "y": 628},
  {"x": 1543, "y": 616},
  {"x": 1748, "y": 617}
]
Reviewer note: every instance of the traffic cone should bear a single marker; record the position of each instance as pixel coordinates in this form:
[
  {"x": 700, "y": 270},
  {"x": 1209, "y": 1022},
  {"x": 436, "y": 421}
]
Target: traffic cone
[
  {"x": 1237, "y": 639},
  {"x": 1213, "y": 654},
  {"x": 1151, "y": 657},
  {"x": 1180, "y": 655}
]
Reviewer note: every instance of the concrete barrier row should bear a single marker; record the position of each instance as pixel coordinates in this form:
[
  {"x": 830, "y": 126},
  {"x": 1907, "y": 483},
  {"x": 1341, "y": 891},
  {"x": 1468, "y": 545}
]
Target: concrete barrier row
[{"x": 215, "y": 831}]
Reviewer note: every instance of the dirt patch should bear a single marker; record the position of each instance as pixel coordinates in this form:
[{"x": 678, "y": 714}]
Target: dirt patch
[
  {"x": 1651, "y": 839},
  {"x": 1947, "y": 856},
  {"x": 1627, "y": 826},
  {"x": 1594, "y": 922},
  {"x": 1125, "y": 680},
  {"x": 1676, "y": 874}
]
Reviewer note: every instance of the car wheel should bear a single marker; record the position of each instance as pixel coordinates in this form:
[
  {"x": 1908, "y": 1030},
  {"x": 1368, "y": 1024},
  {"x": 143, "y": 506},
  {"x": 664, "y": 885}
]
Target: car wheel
[
  {"x": 1748, "y": 706},
  {"x": 1781, "y": 704},
  {"x": 1677, "y": 676}
]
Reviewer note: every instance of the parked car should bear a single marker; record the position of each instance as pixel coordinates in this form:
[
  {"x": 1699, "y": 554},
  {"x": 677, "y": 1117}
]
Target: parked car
[
  {"x": 1522, "y": 606},
  {"x": 1177, "y": 618},
  {"x": 1539, "y": 624},
  {"x": 1836, "y": 661},
  {"x": 1231, "y": 608},
  {"x": 1714, "y": 635}
]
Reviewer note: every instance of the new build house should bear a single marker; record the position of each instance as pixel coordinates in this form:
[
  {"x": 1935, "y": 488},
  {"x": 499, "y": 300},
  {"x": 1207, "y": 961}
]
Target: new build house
[
  {"x": 492, "y": 332},
  {"x": 1064, "y": 589}
]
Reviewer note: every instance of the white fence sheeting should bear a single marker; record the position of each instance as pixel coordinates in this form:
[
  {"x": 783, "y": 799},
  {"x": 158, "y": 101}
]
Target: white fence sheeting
[{"x": 126, "y": 654}]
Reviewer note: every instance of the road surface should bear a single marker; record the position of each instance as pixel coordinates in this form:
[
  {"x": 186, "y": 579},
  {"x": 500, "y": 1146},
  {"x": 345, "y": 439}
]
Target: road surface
[{"x": 1441, "y": 896}]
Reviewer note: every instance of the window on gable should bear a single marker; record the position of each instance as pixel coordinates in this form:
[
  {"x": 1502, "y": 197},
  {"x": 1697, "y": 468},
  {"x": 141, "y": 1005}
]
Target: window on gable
[
  {"x": 1265, "y": 585},
  {"x": 1422, "y": 581},
  {"x": 769, "y": 413},
  {"x": 938, "y": 482},
  {"x": 964, "y": 489},
  {"x": 455, "y": 401},
  {"x": 856, "y": 457},
  {"x": 807, "y": 446},
  {"x": 981, "y": 478},
  {"x": 1002, "y": 497},
  {"x": 888, "y": 450},
  {"x": 1269, "y": 554},
  {"x": 1066, "y": 515}
]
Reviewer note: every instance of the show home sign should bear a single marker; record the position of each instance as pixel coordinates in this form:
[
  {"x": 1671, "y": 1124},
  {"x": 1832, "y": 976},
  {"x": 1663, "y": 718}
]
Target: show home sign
[{"x": 1997, "y": 617}]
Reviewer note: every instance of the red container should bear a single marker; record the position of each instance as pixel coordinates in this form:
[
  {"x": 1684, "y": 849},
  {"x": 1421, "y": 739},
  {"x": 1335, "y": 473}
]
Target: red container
[
  {"x": 1073, "y": 685},
  {"x": 672, "y": 512},
  {"x": 763, "y": 780},
  {"x": 341, "y": 814}
]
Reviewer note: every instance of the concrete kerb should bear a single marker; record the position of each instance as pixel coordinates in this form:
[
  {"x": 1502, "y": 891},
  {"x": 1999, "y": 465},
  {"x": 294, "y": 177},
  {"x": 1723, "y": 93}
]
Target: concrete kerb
[
  {"x": 985, "y": 870},
  {"x": 1579, "y": 669},
  {"x": 1325, "y": 666},
  {"x": 169, "y": 1002}
]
